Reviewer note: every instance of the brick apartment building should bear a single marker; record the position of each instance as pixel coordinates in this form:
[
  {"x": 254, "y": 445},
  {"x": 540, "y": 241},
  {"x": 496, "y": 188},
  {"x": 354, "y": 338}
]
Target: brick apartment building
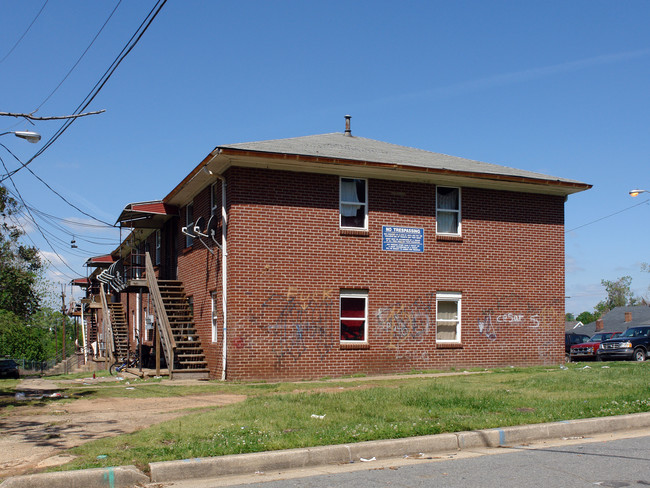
[{"x": 333, "y": 254}]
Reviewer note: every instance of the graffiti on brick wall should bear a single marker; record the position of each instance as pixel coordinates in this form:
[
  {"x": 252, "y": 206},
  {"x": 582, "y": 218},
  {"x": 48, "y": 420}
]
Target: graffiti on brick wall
[
  {"x": 295, "y": 320},
  {"x": 406, "y": 323},
  {"x": 513, "y": 310}
]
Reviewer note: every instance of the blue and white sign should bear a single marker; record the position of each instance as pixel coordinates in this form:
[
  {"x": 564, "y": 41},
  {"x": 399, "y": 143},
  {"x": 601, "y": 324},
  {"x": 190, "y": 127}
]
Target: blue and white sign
[{"x": 405, "y": 239}]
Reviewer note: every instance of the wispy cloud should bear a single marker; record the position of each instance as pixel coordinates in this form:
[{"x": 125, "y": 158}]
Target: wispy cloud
[{"x": 514, "y": 77}]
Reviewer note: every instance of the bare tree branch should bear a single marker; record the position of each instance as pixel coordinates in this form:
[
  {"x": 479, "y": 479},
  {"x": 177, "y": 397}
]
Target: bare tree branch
[{"x": 31, "y": 116}]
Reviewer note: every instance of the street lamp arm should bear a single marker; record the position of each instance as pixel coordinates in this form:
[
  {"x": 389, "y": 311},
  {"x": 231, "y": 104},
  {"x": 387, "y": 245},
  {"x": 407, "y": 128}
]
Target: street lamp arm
[{"x": 634, "y": 193}]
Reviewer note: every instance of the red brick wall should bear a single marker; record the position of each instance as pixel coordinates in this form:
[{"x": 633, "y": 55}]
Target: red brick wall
[{"x": 288, "y": 260}]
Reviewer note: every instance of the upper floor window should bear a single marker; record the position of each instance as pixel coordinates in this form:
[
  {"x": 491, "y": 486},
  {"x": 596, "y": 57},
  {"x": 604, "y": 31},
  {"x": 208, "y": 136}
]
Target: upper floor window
[
  {"x": 353, "y": 204},
  {"x": 448, "y": 317},
  {"x": 189, "y": 222},
  {"x": 447, "y": 210},
  {"x": 354, "y": 316}
]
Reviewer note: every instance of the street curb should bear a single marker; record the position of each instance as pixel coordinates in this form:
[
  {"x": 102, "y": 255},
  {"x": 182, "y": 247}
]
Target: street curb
[
  {"x": 116, "y": 477},
  {"x": 199, "y": 468},
  {"x": 241, "y": 464}
]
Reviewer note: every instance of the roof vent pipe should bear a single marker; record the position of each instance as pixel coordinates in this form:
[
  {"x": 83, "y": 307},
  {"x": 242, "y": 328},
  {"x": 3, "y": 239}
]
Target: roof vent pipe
[{"x": 348, "y": 131}]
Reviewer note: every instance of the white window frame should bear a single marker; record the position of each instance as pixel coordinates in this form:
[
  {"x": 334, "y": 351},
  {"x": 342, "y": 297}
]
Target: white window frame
[
  {"x": 189, "y": 224},
  {"x": 355, "y": 294},
  {"x": 158, "y": 247},
  {"x": 447, "y": 210},
  {"x": 445, "y": 296},
  {"x": 343, "y": 202},
  {"x": 214, "y": 316}
]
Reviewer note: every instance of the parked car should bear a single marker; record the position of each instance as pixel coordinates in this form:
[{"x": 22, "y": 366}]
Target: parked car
[
  {"x": 8, "y": 369},
  {"x": 587, "y": 350},
  {"x": 634, "y": 344},
  {"x": 569, "y": 340}
]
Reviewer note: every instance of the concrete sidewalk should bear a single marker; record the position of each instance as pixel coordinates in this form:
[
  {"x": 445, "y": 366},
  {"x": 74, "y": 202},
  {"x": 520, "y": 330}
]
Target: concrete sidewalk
[{"x": 241, "y": 464}]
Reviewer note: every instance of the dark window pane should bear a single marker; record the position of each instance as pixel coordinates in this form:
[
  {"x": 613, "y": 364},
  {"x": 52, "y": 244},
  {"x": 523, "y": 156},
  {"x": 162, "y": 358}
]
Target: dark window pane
[
  {"x": 352, "y": 330},
  {"x": 353, "y": 307}
]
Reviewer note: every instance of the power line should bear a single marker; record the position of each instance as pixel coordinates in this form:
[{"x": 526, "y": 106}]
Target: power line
[
  {"x": 80, "y": 57},
  {"x": 135, "y": 38},
  {"x": 39, "y": 229},
  {"x": 24, "y": 33},
  {"x": 48, "y": 187},
  {"x": 608, "y": 216}
]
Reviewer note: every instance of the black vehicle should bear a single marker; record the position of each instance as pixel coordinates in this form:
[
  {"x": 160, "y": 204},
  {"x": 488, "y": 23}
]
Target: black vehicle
[
  {"x": 634, "y": 344},
  {"x": 569, "y": 340},
  {"x": 8, "y": 369}
]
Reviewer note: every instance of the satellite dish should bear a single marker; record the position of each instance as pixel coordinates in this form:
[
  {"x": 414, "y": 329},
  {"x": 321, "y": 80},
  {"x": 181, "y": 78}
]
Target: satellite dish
[
  {"x": 211, "y": 229},
  {"x": 197, "y": 227}
]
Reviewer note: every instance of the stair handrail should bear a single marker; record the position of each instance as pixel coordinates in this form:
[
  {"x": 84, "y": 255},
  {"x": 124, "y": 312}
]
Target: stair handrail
[
  {"x": 161, "y": 314},
  {"x": 109, "y": 339}
]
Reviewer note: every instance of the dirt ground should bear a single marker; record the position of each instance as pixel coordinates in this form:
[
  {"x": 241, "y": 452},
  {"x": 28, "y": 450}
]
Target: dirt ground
[{"x": 35, "y": 437}]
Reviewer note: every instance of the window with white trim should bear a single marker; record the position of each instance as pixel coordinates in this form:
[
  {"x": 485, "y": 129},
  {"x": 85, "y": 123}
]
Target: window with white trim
[
  {"x": 448, "y": 323},
  {"x": 189, "y": 223},
  {"x": 214, "y": 317},
  {"x": 447, "y": 210},
  {"x": 353, "y": 203},
  {"x": 354, "y": 316}
]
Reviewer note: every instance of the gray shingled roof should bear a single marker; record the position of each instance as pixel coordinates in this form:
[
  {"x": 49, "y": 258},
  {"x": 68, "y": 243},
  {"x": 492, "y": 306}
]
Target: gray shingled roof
[
  {"x": 614, "y": 320},
  {"x": 340, "y": 146}
]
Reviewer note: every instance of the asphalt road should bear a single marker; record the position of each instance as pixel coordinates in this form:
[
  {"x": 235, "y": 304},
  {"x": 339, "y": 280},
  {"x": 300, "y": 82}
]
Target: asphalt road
[{"x": 606, "y": 461}]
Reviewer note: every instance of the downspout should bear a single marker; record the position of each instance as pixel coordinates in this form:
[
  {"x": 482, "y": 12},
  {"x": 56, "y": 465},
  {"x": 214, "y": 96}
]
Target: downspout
[{"x": 224, "y": 276}]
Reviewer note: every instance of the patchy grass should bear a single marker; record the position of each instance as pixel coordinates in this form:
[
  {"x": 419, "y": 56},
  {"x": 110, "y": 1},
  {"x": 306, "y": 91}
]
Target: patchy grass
[{"x": 281, "y": 416}]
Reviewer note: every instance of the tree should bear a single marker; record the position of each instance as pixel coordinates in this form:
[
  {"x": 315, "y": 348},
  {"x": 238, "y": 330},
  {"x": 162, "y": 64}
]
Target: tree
[
  {"x": 588, "y": 317},
  {"x": 569, "y": 317},
  {"x": 619, "y": 294},
  {"x": 20, "y": 266}
]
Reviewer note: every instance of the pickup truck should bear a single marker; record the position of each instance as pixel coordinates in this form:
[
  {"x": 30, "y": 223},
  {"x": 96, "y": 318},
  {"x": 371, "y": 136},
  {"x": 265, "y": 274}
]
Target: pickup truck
[
  {"x": 634, "y": 344},
  {"x": 587, "y": 350}
]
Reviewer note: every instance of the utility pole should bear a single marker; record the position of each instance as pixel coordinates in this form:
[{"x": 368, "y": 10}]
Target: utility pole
[{"x": 65, "y": 362}]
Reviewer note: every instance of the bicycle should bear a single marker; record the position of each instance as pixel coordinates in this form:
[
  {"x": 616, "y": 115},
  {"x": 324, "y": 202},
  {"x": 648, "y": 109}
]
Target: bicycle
[{"x": 124, "y": 363}]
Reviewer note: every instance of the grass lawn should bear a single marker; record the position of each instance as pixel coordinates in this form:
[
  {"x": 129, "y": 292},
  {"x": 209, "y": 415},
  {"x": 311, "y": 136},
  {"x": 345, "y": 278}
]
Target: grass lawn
[{"x": 279, "y": 416}]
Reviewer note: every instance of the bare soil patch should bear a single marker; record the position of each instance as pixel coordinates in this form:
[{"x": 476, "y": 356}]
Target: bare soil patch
[{"x": 35, "y": 437}]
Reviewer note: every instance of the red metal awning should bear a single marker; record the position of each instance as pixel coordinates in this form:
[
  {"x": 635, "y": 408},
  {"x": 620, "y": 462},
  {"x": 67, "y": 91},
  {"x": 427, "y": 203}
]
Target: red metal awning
[
  {"x": 100, "y": 261},
  {"x": 146, "y": 215},
  {"x": 82, "y": 282}
]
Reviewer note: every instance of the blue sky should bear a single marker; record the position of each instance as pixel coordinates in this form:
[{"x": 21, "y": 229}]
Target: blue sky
[{"x": 555, "y": 87}]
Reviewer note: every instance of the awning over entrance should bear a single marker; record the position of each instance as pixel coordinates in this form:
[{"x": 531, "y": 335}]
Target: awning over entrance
[
  {"x": 100, "y": 261},
  {"x": 146, "y": 215},
  {"x": 82, "y": 282}
]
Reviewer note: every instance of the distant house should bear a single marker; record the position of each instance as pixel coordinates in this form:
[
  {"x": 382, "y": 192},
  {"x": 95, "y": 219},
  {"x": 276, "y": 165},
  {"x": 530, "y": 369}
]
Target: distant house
[
  {"x": 573, "y": 326},
  {"x": 618, "y": 320},
  {"x": 333, "y": 254}
]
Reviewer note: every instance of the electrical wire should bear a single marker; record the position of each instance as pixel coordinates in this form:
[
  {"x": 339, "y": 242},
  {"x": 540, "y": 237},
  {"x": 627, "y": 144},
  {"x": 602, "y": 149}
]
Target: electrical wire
[
  {"x": 24, "y": 33},
  {"x": 50, "y": 188},
  {"x": 80, "y": 57},
  {"x": 608, "y": 216},
  {"x": 39, "y": 229},
  {"x": 135, "y": 38}
]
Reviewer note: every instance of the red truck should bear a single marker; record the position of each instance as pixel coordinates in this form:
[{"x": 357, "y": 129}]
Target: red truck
[{"x": 587, "y": 350}]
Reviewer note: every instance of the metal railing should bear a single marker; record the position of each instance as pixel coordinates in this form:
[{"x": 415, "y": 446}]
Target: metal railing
[
  {"x": 162, "y": 320},
  {"x": 108, "y": 328}
]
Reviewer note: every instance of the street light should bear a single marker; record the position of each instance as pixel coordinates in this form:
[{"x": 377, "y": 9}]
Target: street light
[
  {"x": 28, "y": 135},
  {"x": 634, "y": 193}
]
